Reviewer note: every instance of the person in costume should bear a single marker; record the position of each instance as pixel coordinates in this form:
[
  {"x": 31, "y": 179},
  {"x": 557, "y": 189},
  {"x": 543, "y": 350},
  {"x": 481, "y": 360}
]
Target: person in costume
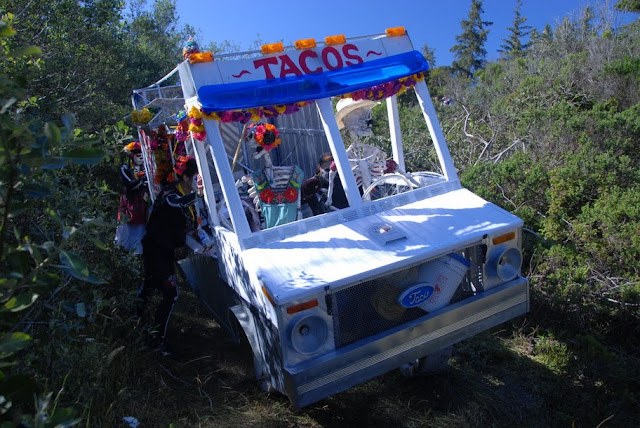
[
  {"x": 277, "y": 187},
  {"x": 134, "y": 199},
  {"x": 315, "y": 190},
  {"x": 172, "y": 217}
]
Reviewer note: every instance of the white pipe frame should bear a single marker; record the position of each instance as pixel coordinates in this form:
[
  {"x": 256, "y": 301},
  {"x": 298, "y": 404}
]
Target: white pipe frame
[
  {"x": 203, "y": 168},
  {"x": 429, "y": 112},
  {"x": 394, "y": 130},
  {"x": 227, "y": 182},
  {"x": 339, "y": 156}
]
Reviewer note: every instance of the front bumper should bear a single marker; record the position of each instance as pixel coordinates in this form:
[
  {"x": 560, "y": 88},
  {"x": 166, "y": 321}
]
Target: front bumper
[{"x": 337, "y": 371}]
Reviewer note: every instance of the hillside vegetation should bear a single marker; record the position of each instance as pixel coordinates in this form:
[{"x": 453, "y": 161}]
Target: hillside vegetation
[{"x": 550, "y": 132}]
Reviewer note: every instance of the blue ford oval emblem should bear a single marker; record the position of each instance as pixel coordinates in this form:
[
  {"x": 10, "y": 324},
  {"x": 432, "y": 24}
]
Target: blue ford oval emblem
[{"x": 416, "y": 295}]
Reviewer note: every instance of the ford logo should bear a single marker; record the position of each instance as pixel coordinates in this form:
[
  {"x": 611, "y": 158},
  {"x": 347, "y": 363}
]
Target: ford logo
[{"x": 415, "y": 296}]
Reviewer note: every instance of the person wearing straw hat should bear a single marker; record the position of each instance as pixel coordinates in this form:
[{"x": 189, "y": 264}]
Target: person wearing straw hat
[{"x": 367, "y": 162}]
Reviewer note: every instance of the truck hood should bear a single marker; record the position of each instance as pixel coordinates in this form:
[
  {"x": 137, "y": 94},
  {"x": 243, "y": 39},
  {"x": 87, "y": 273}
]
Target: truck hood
[{"x": 370, "y": 246}]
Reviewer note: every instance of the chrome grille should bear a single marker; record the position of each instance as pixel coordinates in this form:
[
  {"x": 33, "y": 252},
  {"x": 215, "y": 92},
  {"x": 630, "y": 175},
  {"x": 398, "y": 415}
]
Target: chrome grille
[{"x": 371, "y": 307}]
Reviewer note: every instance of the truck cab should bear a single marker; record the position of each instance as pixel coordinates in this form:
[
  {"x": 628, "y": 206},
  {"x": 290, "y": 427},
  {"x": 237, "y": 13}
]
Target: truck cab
[{"x": 413, "y": 264}]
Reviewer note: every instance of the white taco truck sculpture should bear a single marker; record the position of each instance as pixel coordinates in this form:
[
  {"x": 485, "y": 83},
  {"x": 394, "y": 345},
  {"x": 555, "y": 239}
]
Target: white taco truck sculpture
[{"x": 413, "y": 264}]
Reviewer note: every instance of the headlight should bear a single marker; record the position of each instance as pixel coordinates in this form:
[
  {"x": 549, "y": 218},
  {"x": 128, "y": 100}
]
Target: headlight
[
  {"x": 504, "y": 263},
  {"x": 309, "y": 334}
]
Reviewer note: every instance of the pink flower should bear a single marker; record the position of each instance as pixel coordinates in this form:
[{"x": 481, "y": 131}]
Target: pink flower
[{"x": 226, "y": 116}]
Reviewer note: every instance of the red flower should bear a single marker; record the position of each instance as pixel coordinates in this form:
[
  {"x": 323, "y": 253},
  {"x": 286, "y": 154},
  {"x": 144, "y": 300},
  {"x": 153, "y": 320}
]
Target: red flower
[
  {"x": 291, "y": 194},
  {"x": 267, "y": 196}
]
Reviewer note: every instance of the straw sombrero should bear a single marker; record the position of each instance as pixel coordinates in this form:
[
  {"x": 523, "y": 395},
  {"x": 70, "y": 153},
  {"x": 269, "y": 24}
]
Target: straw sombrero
[{"x": 348, "y": 105}]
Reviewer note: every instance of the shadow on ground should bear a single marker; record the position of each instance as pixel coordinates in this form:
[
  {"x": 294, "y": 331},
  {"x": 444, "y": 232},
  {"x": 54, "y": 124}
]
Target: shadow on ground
[{"x": 494, "y": 379}]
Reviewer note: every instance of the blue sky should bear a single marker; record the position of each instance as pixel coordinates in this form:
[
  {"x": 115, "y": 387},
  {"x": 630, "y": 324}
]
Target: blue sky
[{"x": 432, "y": 22}]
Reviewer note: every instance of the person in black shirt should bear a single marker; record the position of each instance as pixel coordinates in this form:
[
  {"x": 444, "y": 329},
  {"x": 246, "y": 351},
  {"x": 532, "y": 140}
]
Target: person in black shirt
[{"x": 172, "y": 217}]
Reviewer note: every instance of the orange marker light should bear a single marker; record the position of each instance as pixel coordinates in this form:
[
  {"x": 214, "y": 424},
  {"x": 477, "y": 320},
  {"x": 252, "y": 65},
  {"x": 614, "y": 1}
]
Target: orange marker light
[
  {"x": 504, "y": 238},
  {"x": 395, "y": 31},
  {"x": 272, "y": 48},
  {"x": 195, "y": 58},
  {"x": 266, "y": 293},
  {"x": 305, "y": 44},
  {"x": 302, "y": 306},
  {"x": 335, "y": 40}
]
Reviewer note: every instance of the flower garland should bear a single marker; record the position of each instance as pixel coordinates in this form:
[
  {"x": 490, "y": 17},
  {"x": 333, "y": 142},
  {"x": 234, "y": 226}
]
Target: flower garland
[
  {"x": 160, "y": 146},
  {"x": 196, "y": 127},
  {"x": 385, "y": 90},
  {"x": 246, "y": 115},
  {"x": 374, "y": 93},
  {"x": 140, "y": 117},
  {"x": 265, "y": 134}
]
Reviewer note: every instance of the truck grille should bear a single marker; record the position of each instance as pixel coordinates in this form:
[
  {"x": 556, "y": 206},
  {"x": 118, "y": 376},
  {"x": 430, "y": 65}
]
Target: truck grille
[{"x": 371, "y": 307}]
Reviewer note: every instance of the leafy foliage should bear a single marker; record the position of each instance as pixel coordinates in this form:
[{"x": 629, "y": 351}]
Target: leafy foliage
[
  {"x": 550, "y": 134},
  {"x": 92, "y": 56},
  {"x": 61, "y": 280}
]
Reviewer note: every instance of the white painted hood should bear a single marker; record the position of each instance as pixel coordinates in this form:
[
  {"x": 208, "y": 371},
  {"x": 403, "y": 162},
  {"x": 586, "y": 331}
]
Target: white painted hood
[{"x": 355, "y": 251}]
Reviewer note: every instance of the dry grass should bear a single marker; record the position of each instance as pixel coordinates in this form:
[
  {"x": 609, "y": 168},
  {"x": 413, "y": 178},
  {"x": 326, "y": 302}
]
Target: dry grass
[{"x": 513, "y": 376}]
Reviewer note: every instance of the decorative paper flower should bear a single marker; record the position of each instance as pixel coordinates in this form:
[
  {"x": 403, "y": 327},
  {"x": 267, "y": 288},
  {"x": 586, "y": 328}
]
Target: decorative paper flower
[
  {"x": 181, "y": 164},
  {"x": 291, "y": 194},
  {"x": 194, "y": 113},
  {"x": 141, "y": 173},
  {"x": 141, "y": 116},
  {"x": 133, "y": 147},
  {"x": 181, "y": 135},
  {"x": 266, "y": 135},
  {"x": 267, "y": 196},
  {"x": 200, "y": 136},
  {"x": 195, "y": 125}
]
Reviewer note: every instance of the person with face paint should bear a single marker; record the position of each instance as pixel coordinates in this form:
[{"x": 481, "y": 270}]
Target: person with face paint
[{"x": 134, "y": 201}]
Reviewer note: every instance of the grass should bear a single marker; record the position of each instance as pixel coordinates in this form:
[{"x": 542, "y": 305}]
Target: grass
[{"x": 524, "y": 373}]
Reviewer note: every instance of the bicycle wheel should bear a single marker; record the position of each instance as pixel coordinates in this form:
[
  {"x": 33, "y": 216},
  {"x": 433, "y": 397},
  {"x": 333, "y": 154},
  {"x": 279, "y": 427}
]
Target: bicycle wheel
[{"x": 387, "y": 185}]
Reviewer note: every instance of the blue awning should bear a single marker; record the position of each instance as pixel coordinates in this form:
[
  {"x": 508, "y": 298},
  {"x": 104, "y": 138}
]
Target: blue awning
[{"x": 292, "y": 89}]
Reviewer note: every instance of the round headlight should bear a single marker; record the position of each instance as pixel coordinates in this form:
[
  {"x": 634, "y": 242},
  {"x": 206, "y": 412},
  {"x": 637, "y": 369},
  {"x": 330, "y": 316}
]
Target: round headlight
[
  {"x": 309, "y": 334},
  {"x": 505, "y": 264}
]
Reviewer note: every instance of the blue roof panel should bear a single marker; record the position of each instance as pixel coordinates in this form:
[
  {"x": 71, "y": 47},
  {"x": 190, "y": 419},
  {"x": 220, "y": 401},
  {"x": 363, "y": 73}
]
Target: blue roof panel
[{"x": 308, "y": 87}]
